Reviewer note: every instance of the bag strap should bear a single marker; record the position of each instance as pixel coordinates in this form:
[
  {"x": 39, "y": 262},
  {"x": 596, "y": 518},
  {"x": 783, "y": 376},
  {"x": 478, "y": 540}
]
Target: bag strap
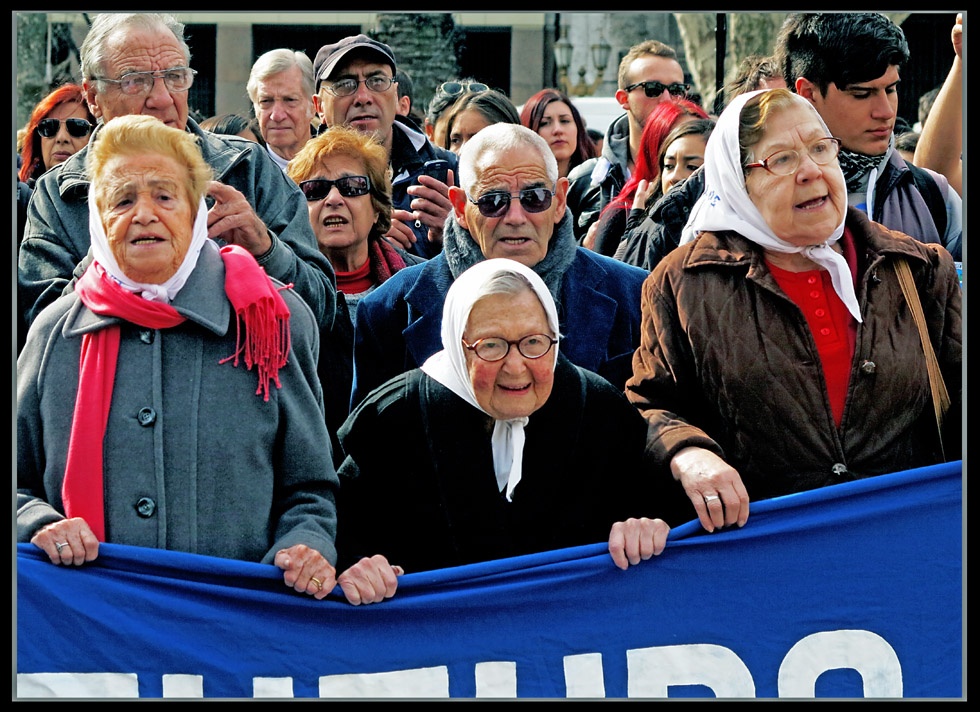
[
  {"x": 940, "y": 396},
  {"x": 933, "y": 196}
]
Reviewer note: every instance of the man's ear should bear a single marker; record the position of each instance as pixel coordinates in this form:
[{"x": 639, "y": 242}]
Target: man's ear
[
  {"x": 561, "y": 198},
  {"x": 806, "y": 88},
  {"x": 318, "y": 106},
  {"x": 404, "y": 105},
  {"x": 457, "y": 196},
  {"x": 623, "y": 98},
  {"x": 88, "y": 88}
]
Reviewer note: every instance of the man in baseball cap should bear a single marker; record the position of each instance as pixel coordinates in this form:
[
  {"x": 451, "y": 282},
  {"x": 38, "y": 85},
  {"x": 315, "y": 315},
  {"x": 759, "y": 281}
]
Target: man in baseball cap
[
  {"x": 355, "y": 86},
  {"x": 329, "y": 55}
]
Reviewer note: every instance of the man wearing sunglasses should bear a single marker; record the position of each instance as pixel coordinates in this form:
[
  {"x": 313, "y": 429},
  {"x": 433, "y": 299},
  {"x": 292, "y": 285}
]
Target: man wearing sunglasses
[
  {"x": 649, "y": 73},
  {"x": 138, "y": 64},
  {"x": 355, "y": 86},
  {"x": 510, "y": 203}
]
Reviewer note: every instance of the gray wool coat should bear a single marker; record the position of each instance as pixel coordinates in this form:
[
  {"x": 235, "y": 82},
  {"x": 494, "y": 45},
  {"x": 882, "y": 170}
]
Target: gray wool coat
[{"x": 195, "y": 460}]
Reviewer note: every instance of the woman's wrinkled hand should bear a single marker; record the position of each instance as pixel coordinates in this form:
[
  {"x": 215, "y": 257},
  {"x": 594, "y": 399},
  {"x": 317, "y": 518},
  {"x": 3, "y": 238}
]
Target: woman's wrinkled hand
[
  {"x": 713, "y": 486},
  {"x": 306, "y": 570},
  {"x": 370, "y": 580},
  {"x": 68, "y": 542},
  {"x": 637, "y": 540}
]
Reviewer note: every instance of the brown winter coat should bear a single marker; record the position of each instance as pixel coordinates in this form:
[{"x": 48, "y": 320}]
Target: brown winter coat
[{"x": 727, "y": 362}]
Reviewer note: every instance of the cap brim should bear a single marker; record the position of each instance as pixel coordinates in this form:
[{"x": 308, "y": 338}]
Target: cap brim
[{"x": 328, "y": 68}]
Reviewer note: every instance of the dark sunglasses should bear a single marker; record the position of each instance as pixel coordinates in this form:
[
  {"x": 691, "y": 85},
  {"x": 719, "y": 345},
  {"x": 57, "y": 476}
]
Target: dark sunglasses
[
  {"x": 455, "y": 88},
  {"x": 48, "y": 128},
  {"x": 348, "y": 186},
  {"x": 495, "y": 205},
  {"x": 652, "y": 89}
]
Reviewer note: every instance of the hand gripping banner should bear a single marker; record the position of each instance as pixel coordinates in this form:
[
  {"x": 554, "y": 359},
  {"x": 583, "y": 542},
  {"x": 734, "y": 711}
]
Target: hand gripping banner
[{"x": 849, "y": 591}]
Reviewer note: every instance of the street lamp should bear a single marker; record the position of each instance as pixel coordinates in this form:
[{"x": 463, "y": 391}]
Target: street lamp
[{"x": 563, "y": 59}]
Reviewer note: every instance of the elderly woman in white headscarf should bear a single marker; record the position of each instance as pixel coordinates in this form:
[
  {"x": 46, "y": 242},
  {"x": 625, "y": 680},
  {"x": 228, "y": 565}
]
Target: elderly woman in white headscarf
[
  {"x": 497, "y": 446},
  {"x": 779, "y": 353},
  {"x": 171, "y": 400}
]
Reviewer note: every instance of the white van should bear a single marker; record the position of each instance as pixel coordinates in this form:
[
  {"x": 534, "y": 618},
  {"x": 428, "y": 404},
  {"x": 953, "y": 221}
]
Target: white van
[{"x": 598, "y": 111}]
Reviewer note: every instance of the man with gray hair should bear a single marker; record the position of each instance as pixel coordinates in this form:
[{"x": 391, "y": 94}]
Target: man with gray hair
[
  {"x": 280, "y": 87},
  {"x": 511, "y": 203},
  {"x": 139, "y": 63}
]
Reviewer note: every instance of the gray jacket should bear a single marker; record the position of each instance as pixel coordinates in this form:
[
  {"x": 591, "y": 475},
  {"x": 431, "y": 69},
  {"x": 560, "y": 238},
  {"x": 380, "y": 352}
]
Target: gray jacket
[
  {"x": 56, "y": 236},
  {"x": 195, "y": 460}
]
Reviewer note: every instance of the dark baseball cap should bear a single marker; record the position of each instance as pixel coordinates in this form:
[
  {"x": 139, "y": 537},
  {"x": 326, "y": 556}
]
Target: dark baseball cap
[{"x": 330, "y": 55}]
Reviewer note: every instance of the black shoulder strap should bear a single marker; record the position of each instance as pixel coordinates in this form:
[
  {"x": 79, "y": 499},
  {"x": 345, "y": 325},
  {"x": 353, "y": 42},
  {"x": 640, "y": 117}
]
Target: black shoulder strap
[{"x": 932, "y": 195}]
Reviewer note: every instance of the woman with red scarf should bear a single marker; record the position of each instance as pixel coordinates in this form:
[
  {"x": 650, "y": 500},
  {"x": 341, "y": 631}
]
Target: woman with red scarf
[{"x": 171, "y": 401}]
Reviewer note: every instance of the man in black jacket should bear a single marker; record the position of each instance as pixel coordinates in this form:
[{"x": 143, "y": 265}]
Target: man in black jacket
[{"x": 355, "y": 86}]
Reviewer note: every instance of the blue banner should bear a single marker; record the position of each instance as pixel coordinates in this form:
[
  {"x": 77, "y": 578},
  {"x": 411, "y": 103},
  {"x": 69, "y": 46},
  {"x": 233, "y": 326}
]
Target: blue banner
[{"x": 849, "y": 591}]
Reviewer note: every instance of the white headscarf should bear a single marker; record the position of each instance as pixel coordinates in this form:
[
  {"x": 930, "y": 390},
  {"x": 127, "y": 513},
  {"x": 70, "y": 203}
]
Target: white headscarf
[
  {"x": 725, "y": 203},
  {"x": 449, "y": 365},
  {"x": 153, "y": 292}
]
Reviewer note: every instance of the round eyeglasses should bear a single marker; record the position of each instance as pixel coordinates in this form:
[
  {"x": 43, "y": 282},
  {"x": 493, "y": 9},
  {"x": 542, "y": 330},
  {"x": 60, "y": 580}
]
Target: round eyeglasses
[
  {"x": 496, "y": 204},
  {"x": 495, "y": 348},
  {"x": 376, "y": 83},
  {"x": 784, "y": 163},
  {"x": 348, "y": 186},
  {"x": 77, "y": 128},
  {"x": 178, "y": 79}
]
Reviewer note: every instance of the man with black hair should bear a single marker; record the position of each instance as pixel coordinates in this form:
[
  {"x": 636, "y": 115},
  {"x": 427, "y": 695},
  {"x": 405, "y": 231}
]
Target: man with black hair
[{"x": 848, "y": 66}]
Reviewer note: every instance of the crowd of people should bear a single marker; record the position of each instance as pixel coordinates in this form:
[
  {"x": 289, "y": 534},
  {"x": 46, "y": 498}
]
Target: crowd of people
[{"x": 353, "y": 337}]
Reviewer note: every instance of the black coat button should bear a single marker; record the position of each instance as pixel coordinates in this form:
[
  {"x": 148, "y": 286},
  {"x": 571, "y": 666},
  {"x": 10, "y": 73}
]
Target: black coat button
[
  {"x": 146, "y": 336},
  {"x": 146, "y": 417},
  {"x": 145, "y": 507},
  {"x": 868, "y": 367}
]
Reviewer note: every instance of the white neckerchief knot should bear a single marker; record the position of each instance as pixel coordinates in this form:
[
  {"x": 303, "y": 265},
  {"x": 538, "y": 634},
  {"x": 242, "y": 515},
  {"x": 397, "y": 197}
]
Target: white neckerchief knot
[
  {"x": 726, "y": 205},
  {"x": 508, "y": 440},
  {"x": 448, "y": 366}
]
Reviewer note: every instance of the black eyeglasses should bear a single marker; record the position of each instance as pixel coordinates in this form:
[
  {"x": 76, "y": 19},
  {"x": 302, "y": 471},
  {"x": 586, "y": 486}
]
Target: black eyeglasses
[
  {"x": 495, "y": 348},
  {"x": 376, "y": 83},
  {"x": 652, "y": 89},
  {"x": 348, "y": 186},
  {"x": 497, "y": 203},
  {"x": 784, "y": 163},
  {"x": 48, "y": 128},
  {"x": 177, "y": 79},
  {"x": 456, "y": 88}
]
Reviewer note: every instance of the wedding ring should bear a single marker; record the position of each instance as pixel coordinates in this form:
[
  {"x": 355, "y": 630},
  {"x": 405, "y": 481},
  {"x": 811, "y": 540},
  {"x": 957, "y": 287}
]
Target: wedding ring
[
  {"x": 711, "y": 497},
  {"x": 319, "y": 584},
  {"x": 60, "y": 545}
]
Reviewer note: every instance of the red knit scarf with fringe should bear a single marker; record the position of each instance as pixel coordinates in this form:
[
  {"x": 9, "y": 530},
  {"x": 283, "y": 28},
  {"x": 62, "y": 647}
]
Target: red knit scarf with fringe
[{"x": 262, "y": 340}]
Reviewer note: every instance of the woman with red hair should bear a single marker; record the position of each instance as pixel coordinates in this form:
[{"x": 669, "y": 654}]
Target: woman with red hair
[
  {"x": 551, "y": 115},
  {"x": 643, "y": 183},
  {"x": 59, "y": 127}
]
